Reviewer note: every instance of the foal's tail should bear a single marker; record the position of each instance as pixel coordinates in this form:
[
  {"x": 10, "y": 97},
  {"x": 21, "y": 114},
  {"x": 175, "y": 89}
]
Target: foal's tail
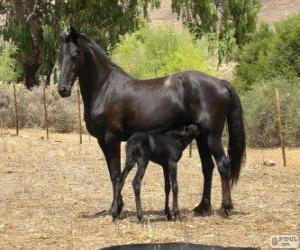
[{"x": 237, "y": 143}]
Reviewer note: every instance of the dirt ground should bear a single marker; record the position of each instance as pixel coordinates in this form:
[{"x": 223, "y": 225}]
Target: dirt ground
[{"x": 50, "y": 190}]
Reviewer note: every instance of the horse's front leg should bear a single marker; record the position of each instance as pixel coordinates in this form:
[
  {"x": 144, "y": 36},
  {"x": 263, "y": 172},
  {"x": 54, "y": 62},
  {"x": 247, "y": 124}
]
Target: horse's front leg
[
  {"x": 172, "y": 167},
  {"x": 136, "y": 184},
  {"x": 111, "y": 150},
  {"x": 167, "y": 191}
]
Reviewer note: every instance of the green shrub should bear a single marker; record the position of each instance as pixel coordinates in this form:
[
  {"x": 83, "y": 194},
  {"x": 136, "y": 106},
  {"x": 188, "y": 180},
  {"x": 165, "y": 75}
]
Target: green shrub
[
  {"x": 261, "y": 117},
  {"x": 270, "y": 54},
  {"x": 8, "y": 72},
  {"x": 154, "y": 52}
]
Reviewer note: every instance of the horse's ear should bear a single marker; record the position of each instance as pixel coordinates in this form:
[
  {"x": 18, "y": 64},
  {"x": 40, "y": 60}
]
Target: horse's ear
[{"x": 73, "y": 34}]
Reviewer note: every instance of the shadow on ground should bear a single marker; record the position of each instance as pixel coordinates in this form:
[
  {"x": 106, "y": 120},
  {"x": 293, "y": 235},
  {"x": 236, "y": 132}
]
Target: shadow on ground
[{"x": 173, "y": 246}]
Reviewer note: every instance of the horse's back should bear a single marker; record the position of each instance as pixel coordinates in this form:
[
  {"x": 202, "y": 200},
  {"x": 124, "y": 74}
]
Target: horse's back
[
  {"x": 191, "y": 84},
  {"x": 171, "y": 102}
]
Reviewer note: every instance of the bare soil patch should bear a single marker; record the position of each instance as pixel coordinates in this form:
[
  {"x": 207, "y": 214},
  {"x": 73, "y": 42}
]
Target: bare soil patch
[{"x": 50, "y": 190}]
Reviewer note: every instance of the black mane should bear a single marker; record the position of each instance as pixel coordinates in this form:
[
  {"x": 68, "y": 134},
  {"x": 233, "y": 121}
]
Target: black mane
[{"x": 91, "y": 44}]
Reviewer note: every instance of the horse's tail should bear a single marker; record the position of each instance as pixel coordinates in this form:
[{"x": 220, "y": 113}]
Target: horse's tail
[{"x": 237, "y": 142}]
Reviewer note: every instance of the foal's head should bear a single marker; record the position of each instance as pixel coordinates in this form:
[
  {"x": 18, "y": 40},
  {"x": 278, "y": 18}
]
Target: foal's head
[
  {"x": 190, "y": 131},
  {"x": 69, "y": 62}
]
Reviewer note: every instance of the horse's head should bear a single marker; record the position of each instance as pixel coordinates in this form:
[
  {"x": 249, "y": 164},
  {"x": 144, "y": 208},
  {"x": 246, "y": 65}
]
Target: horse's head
[{"x": 69, "y": 62}]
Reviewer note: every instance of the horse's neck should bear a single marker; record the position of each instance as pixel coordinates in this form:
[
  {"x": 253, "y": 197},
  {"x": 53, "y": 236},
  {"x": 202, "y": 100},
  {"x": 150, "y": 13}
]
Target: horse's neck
[
  {"x": 90, "y": 85},
  {"x": 93, "y": 78}
]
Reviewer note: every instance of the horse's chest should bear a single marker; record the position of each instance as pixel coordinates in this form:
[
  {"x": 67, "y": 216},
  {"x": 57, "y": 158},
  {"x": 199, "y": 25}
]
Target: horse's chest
[{"x": 105, "y": 119}]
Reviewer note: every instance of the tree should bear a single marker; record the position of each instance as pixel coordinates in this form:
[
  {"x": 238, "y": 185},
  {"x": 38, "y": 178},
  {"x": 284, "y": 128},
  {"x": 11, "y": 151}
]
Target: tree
[
  {"x": 271, "y": 53},
  {"x": 229, "y": 22},
  {"x": 25, "y": 31},
  {"x": 106, "y": 20},
  {"x": 34, "y": 26}
]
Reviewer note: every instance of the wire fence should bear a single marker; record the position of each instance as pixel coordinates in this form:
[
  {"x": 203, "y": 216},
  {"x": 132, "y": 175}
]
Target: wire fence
[{"x": 43, "y": 108}]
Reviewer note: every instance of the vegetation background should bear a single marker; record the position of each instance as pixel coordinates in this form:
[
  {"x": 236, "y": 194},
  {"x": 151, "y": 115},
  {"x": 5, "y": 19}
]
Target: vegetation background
[{"x": 264, "y": 57}]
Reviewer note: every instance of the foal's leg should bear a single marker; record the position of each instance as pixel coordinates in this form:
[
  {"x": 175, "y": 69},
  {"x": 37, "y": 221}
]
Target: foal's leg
[
  {"x": 120, "y": 183},
  {"x": 167, "y": 192},
  {"x": 173, "y": 178},
  {"x": 111, "y": 150},
  {"x": 136, "y": 184},
  {"x": 216, "y": 147},
  {"x": 204, "y": 208}
]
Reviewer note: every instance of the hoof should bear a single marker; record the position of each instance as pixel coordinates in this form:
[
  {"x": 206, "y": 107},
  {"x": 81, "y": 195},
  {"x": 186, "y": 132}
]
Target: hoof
[
  {"x": 169, "y": 217},
  {"x": 177, "y": 216},
  {"x": 114, "y": 214},
  {"x": 168, "y": 214},
  {"x": 202, "y": 210},
  {"x": 116, "y": 210},
  {"x": 115, "y": 219},
  {"x": 140, "y": 219},
  {"x": 226, "y": 208}
]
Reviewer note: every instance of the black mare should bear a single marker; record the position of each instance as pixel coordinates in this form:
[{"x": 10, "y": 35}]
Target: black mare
[
  {"x": 164, "y": 149},
  {"x": 117, "y": 105}
]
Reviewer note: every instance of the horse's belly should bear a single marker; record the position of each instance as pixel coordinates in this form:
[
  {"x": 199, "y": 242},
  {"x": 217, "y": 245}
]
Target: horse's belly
[{"x": 159, "y": 119}]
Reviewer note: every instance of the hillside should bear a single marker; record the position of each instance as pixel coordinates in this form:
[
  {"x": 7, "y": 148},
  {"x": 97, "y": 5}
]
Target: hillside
[
  {"x": 271, "y": 11},
  {"x": 274, "y": 10}
]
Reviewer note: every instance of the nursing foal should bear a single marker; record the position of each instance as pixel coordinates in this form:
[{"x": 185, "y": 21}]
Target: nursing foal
[{"x": 164, "y": 149}]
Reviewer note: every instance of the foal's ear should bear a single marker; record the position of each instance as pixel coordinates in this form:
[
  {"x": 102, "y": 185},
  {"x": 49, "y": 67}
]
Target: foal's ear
[{"x": 73, "y": 34}]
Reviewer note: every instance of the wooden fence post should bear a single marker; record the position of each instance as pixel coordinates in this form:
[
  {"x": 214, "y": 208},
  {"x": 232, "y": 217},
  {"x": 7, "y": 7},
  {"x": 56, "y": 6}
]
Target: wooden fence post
[
  {"x": 16, "y": 109},
  {"x": 280, "y": 129},
  {"x": 46, "y": 112},
  {"x": 1, "y": 128},
  {"x": 79, "y": 114}
]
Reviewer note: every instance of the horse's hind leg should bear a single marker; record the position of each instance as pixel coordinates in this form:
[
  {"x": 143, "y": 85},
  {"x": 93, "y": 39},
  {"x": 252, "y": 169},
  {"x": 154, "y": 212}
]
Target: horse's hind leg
[
  {"x": 167, "y": 192},
  {"x": 217, "y": 150},
  {"x": 204, "y": 208}
]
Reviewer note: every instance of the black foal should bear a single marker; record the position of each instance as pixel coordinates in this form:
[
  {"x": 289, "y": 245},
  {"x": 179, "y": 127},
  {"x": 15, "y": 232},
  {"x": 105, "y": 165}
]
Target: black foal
[{"x": 164, "y": 149}]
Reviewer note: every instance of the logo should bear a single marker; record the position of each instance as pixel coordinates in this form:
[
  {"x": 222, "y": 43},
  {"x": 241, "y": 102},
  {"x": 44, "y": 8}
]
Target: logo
[{"x": 284, "y": 241}]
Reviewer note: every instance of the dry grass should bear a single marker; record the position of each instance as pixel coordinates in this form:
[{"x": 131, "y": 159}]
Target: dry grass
[
  {"x": 62, "y": 112},
  {"x": 46, "y": 186}
]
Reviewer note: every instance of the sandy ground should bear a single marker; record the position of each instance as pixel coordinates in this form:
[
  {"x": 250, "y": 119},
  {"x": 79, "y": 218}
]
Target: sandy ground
[{"x": 48, "y": 187}]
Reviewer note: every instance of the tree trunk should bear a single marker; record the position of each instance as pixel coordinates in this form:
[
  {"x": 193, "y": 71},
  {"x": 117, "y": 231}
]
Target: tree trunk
[
  {"x": 220, "y": 15},
  {"x": 220, "y": 4},
  {"x": 26, "y": 14},
  {"x": 48, "y": 78},
  {"x": 30, "y": 69},
  {"x": 55, "y": 76}
]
